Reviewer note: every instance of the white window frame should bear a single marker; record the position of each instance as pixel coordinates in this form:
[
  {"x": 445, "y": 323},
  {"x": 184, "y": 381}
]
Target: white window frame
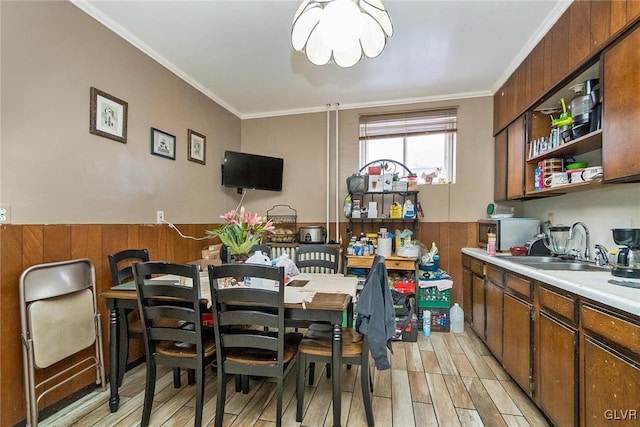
[{"x": 414, "y": 123}]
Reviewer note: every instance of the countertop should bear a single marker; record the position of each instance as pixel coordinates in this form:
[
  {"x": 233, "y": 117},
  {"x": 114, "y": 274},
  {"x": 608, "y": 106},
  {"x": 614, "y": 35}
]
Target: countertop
[{"x": 589, "y": 284}]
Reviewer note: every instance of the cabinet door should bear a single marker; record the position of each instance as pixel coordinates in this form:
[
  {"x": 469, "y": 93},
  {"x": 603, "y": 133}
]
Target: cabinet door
[
  {"x": 559, "y": 33},
  {"x": 579, "y": 32},
  {"x": 558, "y": 371},
  {"x": 621, "y": 108},
  {"x": 478, "y": 306},
  {"x": 500, "y": 167},
  {"x": 517, "y": 342},
  {"x": 515, "y": 158},
  {"x": 494, "y": 295},
  {"x": 467, "y": 293},
  {"x": 611, "y": 387}
]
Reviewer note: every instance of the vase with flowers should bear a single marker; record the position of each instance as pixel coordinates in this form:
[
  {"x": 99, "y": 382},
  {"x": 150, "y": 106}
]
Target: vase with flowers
[{"x": 242, "y": 231}]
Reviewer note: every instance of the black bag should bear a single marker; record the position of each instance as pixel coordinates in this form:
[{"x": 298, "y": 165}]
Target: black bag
[
  {"x": 401, "y": 302},
  {"x": 357, "y": 184}
]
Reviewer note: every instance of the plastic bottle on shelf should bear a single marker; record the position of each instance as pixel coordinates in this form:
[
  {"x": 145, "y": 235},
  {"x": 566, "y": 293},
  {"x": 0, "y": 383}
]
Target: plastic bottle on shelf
[
  {"x": 457, "y": 319},
  {"x": 426, "y": 323},
  {"x": 491, "y": 244}
]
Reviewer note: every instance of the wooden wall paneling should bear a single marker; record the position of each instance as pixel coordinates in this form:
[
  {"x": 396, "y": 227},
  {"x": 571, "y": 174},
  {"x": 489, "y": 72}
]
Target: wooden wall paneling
[
  {"x": 600, "y": 23},
  {"x": 11, "y": 373},
  {"x": 133, "y": 237},
  {"x": 57, "y": 247},
  {"x": 85, "y": 243},
  {"x": 458, "y": 240},
  {"x": 579, "y": 32}
]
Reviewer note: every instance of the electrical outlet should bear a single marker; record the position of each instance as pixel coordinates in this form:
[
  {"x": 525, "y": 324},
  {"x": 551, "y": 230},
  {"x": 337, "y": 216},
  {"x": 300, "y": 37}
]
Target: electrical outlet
[
  {"x": 159, "y": 217},
  {"x": 5, "y": 214}
]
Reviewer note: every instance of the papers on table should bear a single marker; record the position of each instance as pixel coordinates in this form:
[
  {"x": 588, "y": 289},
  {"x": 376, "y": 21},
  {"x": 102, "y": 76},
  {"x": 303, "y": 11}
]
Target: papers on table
[{"x": 441, "y": 284}]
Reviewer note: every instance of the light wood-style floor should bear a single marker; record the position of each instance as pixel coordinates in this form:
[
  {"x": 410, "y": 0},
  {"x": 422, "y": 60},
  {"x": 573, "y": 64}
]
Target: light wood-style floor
[{"x": 444, "y": 380}]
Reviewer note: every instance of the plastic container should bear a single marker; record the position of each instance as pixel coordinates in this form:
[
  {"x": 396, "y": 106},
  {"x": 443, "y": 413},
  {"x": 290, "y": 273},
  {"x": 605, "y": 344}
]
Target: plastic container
[
  {"x": 457, "y": 319},
  {"x": 426, "y": 323},
  {"x": 491, "y": 244}
]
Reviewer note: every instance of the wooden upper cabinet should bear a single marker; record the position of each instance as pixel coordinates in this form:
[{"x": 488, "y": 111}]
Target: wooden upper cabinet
[
  {"x": 633, "y": 10},
  {"x": 600, "y": 23},
  {"x": 560, "y": 48},
  {"x": 500, "y": 167},
  {"x": 621, "y": 109},
  {"x": 535, "y": 83},
  {"x": 516, "y": 142},
  {"x": 579, "y": 32}
]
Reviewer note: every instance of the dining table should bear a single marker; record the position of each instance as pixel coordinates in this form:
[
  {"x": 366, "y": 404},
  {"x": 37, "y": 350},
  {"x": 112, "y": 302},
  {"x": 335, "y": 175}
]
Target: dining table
[{"x": 309, "y": 297}]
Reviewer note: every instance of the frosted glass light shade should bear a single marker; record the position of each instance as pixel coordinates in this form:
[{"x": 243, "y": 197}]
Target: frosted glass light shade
[{"x": 342, "y": 31}]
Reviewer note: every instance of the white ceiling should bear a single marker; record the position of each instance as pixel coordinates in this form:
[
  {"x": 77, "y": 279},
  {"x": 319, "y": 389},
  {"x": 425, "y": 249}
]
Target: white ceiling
[{"x": 239, "y": 52}]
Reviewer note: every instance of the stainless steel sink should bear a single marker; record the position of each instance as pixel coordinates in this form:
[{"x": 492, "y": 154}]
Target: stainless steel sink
[{"x": 555, "y": 263}]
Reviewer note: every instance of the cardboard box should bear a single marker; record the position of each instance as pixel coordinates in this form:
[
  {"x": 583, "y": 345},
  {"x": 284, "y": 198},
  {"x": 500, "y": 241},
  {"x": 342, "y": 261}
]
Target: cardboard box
[
  {"x": 211, "y": 252},
  {"x": 387, "y": 182},
  {"x": 376, "y": 183}
]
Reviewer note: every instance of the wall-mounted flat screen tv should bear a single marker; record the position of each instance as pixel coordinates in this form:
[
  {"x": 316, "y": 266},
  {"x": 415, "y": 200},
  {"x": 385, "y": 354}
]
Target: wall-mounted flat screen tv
[{"x": 252, "y": 171}]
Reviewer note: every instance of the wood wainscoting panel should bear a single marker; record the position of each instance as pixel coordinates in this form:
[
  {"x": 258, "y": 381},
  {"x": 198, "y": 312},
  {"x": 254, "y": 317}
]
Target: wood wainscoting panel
[{"x": 22, "y": 246}]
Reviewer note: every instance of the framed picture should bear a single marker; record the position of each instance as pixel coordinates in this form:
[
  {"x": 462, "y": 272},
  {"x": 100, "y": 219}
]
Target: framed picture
[
  {"x": 197, "y": 147},
  {"x": 107, "y": 116},
  {"x": 163, "y": 144}
]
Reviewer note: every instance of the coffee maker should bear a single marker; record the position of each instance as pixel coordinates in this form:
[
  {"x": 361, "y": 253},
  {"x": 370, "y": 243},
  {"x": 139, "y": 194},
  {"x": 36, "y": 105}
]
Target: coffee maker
[{"x": 628, "y": 260}]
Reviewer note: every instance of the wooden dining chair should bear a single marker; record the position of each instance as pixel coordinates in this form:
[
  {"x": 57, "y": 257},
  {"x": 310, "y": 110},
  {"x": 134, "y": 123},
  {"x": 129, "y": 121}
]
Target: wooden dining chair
[
  {"x": 316, "y": 346},
  {"x": 171, "y": 314},
  {"x": 318, "y": 259},
  {"x": 121, "y": 272},
  {"x": 244, "y": 346}
]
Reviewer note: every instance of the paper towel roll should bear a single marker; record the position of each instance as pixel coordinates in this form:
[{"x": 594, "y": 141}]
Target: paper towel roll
[{"x": 384, "y": 246}]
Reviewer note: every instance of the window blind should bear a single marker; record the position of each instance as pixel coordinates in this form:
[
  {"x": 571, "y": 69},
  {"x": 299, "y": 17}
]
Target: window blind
[{"x": 413, "y": 123}]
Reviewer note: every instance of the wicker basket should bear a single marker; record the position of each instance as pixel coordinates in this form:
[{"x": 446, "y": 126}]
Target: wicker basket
[{"x": 284, "y": 219}]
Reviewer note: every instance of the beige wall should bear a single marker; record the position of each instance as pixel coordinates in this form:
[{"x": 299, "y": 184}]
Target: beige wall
[
  {"x": 301, "y": 139},
  {"x": 54, "y": 171}
]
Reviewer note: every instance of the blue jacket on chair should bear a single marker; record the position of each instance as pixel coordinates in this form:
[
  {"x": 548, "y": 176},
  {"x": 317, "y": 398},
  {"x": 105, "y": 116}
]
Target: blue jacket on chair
[{"x": 376, "y": 314}]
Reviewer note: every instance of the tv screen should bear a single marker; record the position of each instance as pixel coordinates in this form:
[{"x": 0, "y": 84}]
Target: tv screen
[{"x": 252, "y": 171}]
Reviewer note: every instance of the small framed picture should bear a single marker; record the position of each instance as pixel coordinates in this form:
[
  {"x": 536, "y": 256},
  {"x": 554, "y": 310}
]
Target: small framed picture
[
  {"x": 197, "y": 146},
  {"x": 107, "y": 116},
  {"x": 163, "y": 144}
]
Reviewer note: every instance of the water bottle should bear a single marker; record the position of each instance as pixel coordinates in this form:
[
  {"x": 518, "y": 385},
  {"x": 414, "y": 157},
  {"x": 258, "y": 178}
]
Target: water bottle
[
  {"x": 426, "y": 323},
  {"x": 457, "y": 319}
]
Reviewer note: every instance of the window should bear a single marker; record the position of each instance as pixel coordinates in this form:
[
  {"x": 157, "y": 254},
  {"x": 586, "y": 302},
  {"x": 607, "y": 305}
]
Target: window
[{"x": 424, "y": 141}]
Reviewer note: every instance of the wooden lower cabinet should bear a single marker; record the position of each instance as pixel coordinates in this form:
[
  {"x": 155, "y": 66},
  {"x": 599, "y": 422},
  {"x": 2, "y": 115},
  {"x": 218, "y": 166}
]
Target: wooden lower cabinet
[
  {"x": 467, "y": 293},
  {"x": 517, "y": 341},
  {"x": 611, "y": 386},
  {"x": 557, "y": 353},
  {"x": 478, "y": 308},
  {"x": 494, "y": 315}
]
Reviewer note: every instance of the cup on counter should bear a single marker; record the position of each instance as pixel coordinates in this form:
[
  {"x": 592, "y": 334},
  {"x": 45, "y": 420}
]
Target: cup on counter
[
  {"x": 556, "y": 178},
  {"x": 592, "y": 172}
]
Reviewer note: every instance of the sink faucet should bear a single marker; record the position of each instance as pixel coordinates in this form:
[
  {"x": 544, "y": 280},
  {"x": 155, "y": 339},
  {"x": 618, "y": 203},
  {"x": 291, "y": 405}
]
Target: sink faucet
[
  {"x": 586, "y": 235},
  {"x": 601, "y": 256}
]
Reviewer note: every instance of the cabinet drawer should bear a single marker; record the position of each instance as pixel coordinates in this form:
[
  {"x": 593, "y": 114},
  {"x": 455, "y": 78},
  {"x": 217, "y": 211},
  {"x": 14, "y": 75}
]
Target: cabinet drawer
[
  {"x": 519, "y": 285},
  {"x": 466, "y": 261},
  {"x": 392, "y": 263},
  {"x": 563, "y": 305},
  {"x": 400, "y": 264},
  {"x": 611, "y": 327},
  {"x": 477, "y": 267},
  {"x": 495, "y": 275}
]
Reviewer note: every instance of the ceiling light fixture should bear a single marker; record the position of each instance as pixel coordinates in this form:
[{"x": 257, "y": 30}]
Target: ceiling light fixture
[{"x": 342, "y": 31}]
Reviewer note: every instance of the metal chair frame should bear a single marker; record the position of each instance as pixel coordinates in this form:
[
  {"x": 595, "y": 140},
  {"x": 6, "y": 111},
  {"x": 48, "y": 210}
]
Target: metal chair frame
[{"x": 58, "y": 291}]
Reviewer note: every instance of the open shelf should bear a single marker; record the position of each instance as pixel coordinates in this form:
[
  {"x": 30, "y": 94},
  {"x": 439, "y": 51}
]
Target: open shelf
[
  {"x": 567, "y": 188},
  {"x": 584, "y": 144}
]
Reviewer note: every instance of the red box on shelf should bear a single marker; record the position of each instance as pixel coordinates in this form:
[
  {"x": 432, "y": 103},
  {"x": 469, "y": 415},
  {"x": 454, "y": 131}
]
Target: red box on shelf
[{"x": 405, "y": 287}]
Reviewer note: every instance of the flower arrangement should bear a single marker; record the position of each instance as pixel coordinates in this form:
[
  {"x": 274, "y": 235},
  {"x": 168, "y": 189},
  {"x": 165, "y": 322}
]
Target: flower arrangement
[{"x": 242, "y": 230}]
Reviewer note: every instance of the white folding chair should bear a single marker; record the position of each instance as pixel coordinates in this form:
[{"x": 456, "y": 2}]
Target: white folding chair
[{"x": 59, "y": 318}]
